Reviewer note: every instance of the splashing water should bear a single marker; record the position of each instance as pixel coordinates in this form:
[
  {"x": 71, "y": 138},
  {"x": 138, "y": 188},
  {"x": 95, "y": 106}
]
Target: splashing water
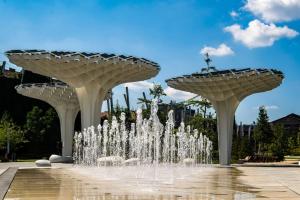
[{"x": 147, "y": 142}]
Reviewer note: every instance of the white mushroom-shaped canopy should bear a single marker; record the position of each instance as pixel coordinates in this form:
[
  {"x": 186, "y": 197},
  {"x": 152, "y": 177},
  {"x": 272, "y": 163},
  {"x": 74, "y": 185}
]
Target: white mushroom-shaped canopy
[
  {"x": 55, "y": 94},
  {"x": 79, "y": 68},
  {"x": 222, "y": 85}
]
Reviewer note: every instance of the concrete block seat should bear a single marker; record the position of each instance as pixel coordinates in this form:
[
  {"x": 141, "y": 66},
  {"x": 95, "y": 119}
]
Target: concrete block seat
[
  {"x": 43, "y": 163},
  {"x": 131, "y": 162},
  {"x": 110, "y": 161},
  {"x": 189, "y": 161},
  {"x": 60, "y": 159}
]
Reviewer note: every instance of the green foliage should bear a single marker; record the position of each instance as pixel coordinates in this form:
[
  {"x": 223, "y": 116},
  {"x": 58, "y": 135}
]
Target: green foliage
[
  {"x": 295, "y": 151},
  {"x": 118, "y": 109},
  {"x": 144, "y": 101},
  {"x": 203, "y": 104},
  {"x": 157, "y": 91},
  {"x": 279, "y": 146},
  {"x": 241, "y": 147},
  {"x": 9, "y": 131},
  {"x": 42, "y": 130},
  {"x": 245, "y": 148},
  {"x": 292, "y": 140},
  {"x": 298, "y": 138},
  {"x": 34, "y": 126},
  {"x": 269, "y": 140},
  {"x": 262, "y": 131},
  {"x": 49, "y": 117}
]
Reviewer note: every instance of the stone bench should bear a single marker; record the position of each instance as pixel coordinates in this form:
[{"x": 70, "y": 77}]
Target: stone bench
[
  {"x": 60, "y": 159},
  {"x": 110, "y": 161},
  {"x": 43, "y": 163}
]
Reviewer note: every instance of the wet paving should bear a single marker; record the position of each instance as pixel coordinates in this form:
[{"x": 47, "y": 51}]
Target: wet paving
[{"x": 127, "y": 183}]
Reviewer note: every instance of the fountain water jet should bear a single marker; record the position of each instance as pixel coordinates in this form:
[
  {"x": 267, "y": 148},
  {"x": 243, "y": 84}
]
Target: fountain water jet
[{"x": 147, "y": 142}]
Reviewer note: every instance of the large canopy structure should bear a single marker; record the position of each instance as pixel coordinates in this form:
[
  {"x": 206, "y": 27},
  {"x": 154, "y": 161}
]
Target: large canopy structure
[
  {"x": 225, "y": 90},
  {"x": 91, "y": 74},
  {"x": 64, "y": 100}
]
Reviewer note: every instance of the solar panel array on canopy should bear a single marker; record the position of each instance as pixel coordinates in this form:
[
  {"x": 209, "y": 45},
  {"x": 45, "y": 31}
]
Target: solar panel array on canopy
[
  {"x": 83, "y": 54},
  {"x": 231, "y": 72}
]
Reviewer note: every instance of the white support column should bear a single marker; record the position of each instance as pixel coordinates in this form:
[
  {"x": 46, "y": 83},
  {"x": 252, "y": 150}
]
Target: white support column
[
  {"x": 90, "y": 99},
  {"x": 225, "y": 118},
  {"x": 67, "y": 118}
]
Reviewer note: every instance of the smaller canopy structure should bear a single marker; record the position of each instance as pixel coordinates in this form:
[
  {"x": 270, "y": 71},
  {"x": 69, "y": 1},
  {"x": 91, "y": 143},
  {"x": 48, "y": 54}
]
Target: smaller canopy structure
[
  {"x": 225, "y": 90},
  {"x": 64, "y": 100}
]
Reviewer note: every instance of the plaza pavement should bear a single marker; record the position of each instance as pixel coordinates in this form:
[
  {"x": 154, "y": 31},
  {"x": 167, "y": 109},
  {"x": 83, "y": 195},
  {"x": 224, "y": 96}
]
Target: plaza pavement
[{"x": 261, "y": 182}]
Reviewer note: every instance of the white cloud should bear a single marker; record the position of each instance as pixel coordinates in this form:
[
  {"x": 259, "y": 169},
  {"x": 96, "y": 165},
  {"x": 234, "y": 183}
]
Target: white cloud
[
  {"x": 139, "y": 86},
  {"x": 259, "y": 34},
  {"x": 233, "y": 14},
  {"x": 178, "y": 94},
  {"x": 221, "y": 50},
  {"x": 269, "y": 107},
  {"x": 274, "y": 10}
]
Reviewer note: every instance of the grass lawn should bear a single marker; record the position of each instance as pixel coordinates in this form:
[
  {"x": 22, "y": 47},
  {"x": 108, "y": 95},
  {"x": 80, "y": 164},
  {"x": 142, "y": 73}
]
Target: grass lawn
[
  {"x": 26, "y": 160},
  {"x": 292, "y": 158}
]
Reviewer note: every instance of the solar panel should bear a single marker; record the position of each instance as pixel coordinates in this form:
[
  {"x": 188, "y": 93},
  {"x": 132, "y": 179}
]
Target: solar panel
[
  {"x": 88, "y": 54},
  {"x": 15, "y": 51},
  {"x": 62, "y": 53},
  {"x": 105, "y": 55}
]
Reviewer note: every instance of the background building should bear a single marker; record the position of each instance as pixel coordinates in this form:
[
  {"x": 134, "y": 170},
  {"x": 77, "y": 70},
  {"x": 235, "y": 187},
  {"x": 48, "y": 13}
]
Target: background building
[{"x": 291, "y": 125}]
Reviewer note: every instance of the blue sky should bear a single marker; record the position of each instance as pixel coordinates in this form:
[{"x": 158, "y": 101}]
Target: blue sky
[{"x": 172, "y": 33}]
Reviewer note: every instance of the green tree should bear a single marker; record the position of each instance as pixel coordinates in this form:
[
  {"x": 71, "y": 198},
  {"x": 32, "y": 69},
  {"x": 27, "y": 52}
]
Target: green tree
[
  {"x": 157, "y": 91},
  {"x": 34, "y": 126},
  {"x": 262, "y": 131},
  {"x": 245, "y": 148},
  {"x": 118, "y": 109},
  {"x": 11, "y": 135},
  {"x": 203, "y": 104},
  {"x": 52, "y": 139},
  {"x": 298, "y": 138},
  {"x": 42, "y": 132},
  {"x": 279, "y": 143},
  {"x": 145, "y": 102}
]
